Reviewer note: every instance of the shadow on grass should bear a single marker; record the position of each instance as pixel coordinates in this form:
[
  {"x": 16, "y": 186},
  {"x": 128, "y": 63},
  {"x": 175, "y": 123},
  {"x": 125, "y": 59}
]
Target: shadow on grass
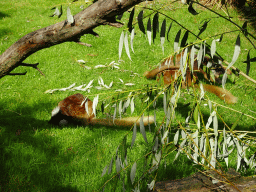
[
  {"x": 2, "y": 15},
  {"x": 31, "y": 169}
]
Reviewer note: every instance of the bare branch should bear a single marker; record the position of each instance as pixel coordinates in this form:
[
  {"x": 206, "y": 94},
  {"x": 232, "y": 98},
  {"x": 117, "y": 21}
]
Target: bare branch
[{"x": 100, "y": 13}]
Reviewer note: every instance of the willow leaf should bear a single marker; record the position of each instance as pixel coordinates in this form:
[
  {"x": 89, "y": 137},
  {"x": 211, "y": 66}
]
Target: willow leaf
[
  {"x": 132, "y": 38},
  {"x": 133, "y": 172},
  {"x": 134, "y": 134},
  {"x": 129, "y": 25},
  {"x": 184, "y": 40},
  {"x": 169, "y": 31},
  {"x": 70, "y": 17},
  {"x": 155, "y": 25},
  {"x": 149, "y": 31},
  {"x": 126, "y": 45},
  {"x": 142, "y": 129},
  {"x": 140, "y": 22},
  {"x": 121, "y": 42},
  {"x": 176, "y": 41},
  {"x": 213, "y": 48}
]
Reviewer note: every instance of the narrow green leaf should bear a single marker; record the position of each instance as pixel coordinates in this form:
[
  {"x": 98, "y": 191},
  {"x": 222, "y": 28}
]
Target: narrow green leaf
[
  {"x": 61, "y": 11},
  {"x": 120, "y": 108},
  {"x": 114, "y": 115},
  {"x": 133, "y": 172},
  {"x": 195, "y": 114},
  {"x": 191, "y": 9},
  {"x": 155, "y": 26},
  {"x": 213, "y": 48},
  {"x": 224, "y": 80},
  {"x": 176, "y": 41},
  {"x": 165, "y": 103},
  {"x": 213, "y": 160},
  {"x": 244, "y": 27},
  {"x": 123, "y": 149},
  {"x": 201, "y": 91},
  {"x": 183, "y": 134},
  {"x": 162, "y": 34},
  {"x": 95, "y": 103},
  {"x": 220, "y": 39},
  {"x": 169, "y": 31},
  {"x": 132, "y": 105},
  {"x": 110, "y": 166},
  {"x": 236, "y": 52},
  {"x": 202, "y": 143},
  {"x": 126, "y": 45},
  {"x": 210, "y": 105},
  {"x": 180, "y": 149},
  {"x": 142, "y": 129},
  {"x": 69, "y": 16},
  {"x": 192, "y": 58},
  {"x": 215, "y": 125},
  {"x": 132, "y": 38},
  {"x": 239, "y": 154},
  {"x": 129, "y": 25},
  {"x": 121, "y": 42},
  {"x": 200, "y": 56},
  {"x": 163, "y": 28},
  {"x": 184, "y": 40},
  {"x": 198, "y": 121},
  {"x": 156, "y": 145},
  {"x": 151, "y": 185},
  {"x": 118, "y": 164},
  {"x": 225, "y": 147},
  {"x": 164, "y": 136},
  {"x": 196, "y": 155},
  {"x": 248, "y": 63},
  {"x": 104, "y": 171},
  {"x": 56, "y": 12},
  {"x": 140, "y": 22},
  {"x": 184, "y": 64},
  {"x": 176, "y": 138},
  {"x": 149, "y": 31},
  {"x": 203, "y": 27},
  {"x": 134, "y": 134}
]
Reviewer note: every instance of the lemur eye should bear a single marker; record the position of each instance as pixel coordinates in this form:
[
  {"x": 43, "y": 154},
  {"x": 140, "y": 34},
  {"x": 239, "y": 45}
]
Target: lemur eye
[{"x": 63, "y": 122}]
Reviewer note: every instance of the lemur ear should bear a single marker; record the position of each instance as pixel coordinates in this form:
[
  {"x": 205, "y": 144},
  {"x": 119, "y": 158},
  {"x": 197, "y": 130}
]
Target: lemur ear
[
  {"x": 57, "y": 117},
  {"x": 55, "y": 111}
]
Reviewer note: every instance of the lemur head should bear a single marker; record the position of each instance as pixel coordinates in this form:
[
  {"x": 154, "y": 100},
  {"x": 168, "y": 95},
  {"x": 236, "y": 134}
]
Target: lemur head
[{"x": 60, "y": 119}]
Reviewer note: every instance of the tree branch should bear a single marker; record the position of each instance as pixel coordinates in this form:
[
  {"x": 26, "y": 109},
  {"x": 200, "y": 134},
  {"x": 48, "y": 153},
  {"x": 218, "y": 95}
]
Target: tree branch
[
  {"x": 100, "y": 13},
  {"x": 32, "y": 65}
]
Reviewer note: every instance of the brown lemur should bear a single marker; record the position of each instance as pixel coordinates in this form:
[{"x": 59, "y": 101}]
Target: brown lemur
[
  {"x": 169, "y": 71},
  {"x": 72, "y": 110}
]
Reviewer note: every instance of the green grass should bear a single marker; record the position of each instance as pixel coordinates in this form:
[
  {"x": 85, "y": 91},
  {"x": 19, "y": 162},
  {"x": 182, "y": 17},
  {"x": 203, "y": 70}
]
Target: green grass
[{"x": 47, "y": 158}]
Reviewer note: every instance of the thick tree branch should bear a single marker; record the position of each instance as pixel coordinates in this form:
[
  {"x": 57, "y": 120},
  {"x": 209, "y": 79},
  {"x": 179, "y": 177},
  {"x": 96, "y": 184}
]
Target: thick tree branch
[{"x": 100, "y": 13}]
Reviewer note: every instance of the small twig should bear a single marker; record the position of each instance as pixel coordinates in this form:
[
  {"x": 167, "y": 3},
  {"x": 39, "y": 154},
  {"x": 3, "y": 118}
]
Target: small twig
[
  {"x": 242, "y": 73},
  {"x": 13, "y": 111},
  {"x": 234, "y": 110},
  {"x": 32, "y": 65},
  {"x": 82, "y": 43}
]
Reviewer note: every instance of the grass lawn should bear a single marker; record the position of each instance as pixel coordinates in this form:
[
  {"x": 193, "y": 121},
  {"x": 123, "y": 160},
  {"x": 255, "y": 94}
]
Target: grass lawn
[{"x": 36, "y": 156}]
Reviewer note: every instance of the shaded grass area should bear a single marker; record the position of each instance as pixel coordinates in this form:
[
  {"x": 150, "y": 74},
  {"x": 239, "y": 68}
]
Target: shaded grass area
[{"x": 38, "y": 157}]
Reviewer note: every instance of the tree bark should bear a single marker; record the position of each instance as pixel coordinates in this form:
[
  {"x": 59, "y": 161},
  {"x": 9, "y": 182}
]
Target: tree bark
[{"x": 102, "y": 12}]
